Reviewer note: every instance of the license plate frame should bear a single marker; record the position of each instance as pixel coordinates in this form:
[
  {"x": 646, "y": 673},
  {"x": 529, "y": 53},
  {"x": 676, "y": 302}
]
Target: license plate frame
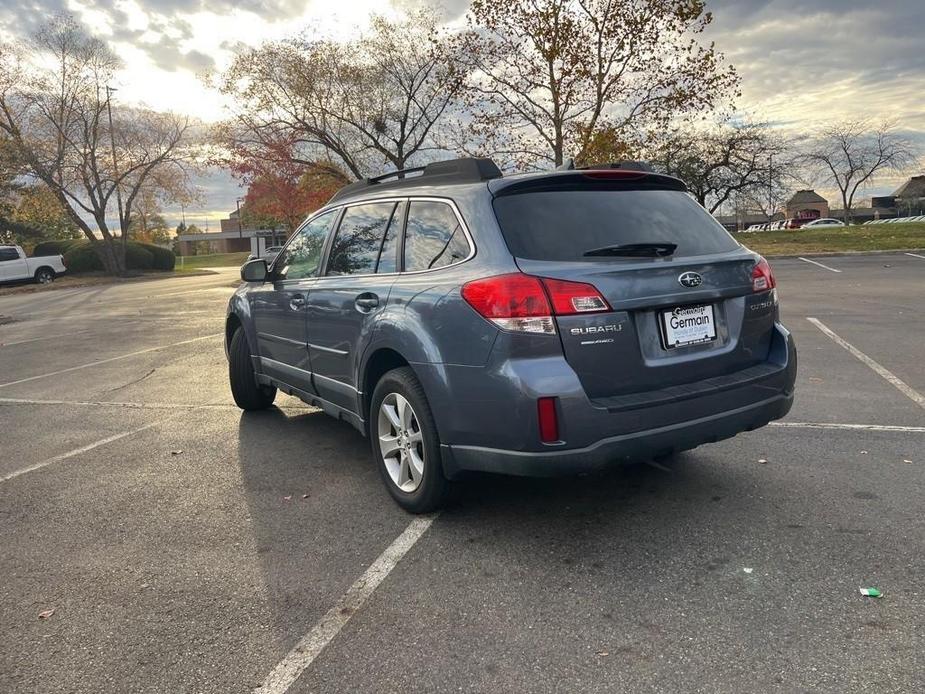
[{"x": 676, "y": 334}]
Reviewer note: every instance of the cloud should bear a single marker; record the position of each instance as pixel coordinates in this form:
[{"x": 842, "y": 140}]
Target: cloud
[{"x": 801, "y": 61}]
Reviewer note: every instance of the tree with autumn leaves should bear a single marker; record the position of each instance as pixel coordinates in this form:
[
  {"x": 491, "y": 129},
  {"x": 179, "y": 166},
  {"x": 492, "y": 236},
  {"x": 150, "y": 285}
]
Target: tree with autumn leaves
[
  {"x": 282, "y": 189},
  {"x": 529, "y": 82}
]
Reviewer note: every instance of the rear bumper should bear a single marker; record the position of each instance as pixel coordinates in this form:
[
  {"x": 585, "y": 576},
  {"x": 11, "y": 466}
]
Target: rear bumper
[
  {"x": 487, "y": 418},
  {"x": 615, "y": 449}
]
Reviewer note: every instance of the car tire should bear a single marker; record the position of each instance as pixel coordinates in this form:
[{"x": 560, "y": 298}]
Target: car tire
[
  {"x": 44, "y": 275},
  {"x": 414, "y": 474},
  {"x": 247, "y": 393}
]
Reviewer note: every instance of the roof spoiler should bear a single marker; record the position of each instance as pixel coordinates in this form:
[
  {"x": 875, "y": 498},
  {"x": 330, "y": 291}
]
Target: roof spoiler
[{"x": 626, "y": 164}]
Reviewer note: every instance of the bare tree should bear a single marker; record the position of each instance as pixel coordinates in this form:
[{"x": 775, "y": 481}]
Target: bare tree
[
  {"x": 357, "y": 106},
  {"x": 545, "y": 77},
  {"x": 747, "y": 160},
  {"x": 57, "y": 115},
  {"x": 851, "y": 153}
]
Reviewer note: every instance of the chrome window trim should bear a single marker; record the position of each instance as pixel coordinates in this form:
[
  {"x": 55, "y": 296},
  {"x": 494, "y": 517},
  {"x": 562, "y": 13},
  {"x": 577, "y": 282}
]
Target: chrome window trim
[{"x": 410, "y": 199}]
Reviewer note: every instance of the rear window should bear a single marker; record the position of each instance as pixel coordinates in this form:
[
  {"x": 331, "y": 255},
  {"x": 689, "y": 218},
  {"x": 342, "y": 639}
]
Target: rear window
[{"x": 563, "y": 225}]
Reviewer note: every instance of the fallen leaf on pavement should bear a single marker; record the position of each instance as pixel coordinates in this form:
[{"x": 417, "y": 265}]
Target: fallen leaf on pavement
[
  {"x": 762, "y": 460},
  {"x": 603, "y": 653},
  {"x": 287, "y": 498},
  {"x": 45, "y": 614},
  {"x": 175, "y": 452}
]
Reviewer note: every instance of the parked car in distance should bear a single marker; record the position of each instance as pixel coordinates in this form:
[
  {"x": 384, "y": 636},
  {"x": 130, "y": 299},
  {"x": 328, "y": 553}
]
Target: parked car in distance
[
  {"x": 792, "y": 223},
  {"x": 448, "y": 317},
  {"x": 753, "y": 227},
  {"x": 823, "y": 222},
  {"x": 269, "y": 254},
  {"x": 15, "y": 266}
]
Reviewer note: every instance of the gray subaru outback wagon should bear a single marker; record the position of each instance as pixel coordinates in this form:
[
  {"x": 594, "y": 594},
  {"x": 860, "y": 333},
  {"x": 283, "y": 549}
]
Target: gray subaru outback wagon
[{"x": 535, "y": 324}]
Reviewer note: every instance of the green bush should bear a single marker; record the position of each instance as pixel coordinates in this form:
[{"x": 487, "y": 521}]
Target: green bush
[
  {"x": 55, "y": 247},
  {"x": 83, "y": 258},
  {"x": 137, "y": 257},
  {"x": 164, "y": 258}
]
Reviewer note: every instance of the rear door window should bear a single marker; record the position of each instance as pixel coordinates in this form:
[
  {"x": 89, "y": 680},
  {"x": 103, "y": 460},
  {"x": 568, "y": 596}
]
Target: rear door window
[
  {"x": 563, "y": 225},
  {"x": 433, "y": 237},
  {"x": 359, "y": 239}
]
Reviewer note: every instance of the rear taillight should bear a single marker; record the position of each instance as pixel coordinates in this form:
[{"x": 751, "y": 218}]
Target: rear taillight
[
  {"x": 574, "y": 297},
  {"x": 513, "y": 302},
  {"x": 762, "y": 277},
  {"x": 523, "y": 303},
  {"x": 548, "y": 420}
]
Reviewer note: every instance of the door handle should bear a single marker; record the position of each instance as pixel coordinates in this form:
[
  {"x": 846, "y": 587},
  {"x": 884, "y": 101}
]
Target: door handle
[
  {"x": 366, "y": 302},
  {"x": 297, "y": 302}
]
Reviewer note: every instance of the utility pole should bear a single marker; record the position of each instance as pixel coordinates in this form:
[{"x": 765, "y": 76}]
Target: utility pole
[
  {"x": 770, "y": 188},
  {"x": 115, "y": 164}
]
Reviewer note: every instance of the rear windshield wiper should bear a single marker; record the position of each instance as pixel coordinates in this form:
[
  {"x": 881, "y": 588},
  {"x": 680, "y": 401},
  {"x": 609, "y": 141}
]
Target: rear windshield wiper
[{"x": 635, "y": 250}]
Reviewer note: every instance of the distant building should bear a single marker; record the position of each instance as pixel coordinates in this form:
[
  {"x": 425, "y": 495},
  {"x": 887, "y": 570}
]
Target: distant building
[
  {"x": 910, "y": 196},
  {"x": 233, "y": 238},
  {"x": 807, "y": 205}
]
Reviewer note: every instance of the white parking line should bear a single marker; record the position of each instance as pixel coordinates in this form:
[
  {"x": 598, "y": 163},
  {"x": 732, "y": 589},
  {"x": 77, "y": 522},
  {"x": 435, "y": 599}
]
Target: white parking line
[
  {"x": 106, "y": 361},
  {"x": 807, "y": 260},
  {"x": 888, "y": 375},
  {"x": 850, "y": 427},
  {"x": 78, "y": 451},
  {"x": 311, "y": 645},
  {"x": 45, "y": 337},
  {"x": 916, "y": 255}
]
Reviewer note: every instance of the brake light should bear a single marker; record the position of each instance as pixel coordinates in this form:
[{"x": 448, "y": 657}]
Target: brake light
[
  {"x": 512, "y": 302},
  {"x": 523, "y": 303},
  {"x": 620, "y": 174},
  {"x": 549, "y": 421},
  {"x": 762, "y": 277}
]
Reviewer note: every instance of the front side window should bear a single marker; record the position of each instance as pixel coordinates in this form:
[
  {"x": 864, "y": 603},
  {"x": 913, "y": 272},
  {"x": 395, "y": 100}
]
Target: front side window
[
  {"x": 434, "y": 237},
  {"x": 302, "y": 257},
  {"x": 359, "y": 239}
]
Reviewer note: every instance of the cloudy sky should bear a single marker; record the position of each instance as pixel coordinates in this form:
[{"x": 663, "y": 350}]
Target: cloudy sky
[{"x": 802, "y": 62}]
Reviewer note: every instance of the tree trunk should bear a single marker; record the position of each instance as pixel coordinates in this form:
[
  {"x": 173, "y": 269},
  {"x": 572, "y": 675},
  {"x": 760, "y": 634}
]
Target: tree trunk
[{"x": 112, "y": 256}]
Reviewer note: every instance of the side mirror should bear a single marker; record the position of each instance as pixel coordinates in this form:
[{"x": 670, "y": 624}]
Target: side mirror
[{"x": 255, "y": 270}]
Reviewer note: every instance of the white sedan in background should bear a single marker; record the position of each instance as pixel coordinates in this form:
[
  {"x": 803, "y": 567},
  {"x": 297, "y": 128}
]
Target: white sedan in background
[{"x": 824, "y": 222}]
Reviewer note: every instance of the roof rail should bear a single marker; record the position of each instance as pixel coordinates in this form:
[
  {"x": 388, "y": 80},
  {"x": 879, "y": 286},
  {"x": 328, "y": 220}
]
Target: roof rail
[{"x": 466, "y": 170}]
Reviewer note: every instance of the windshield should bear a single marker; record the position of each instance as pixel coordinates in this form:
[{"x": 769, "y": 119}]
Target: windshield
[{"x": 565, "y": 225}]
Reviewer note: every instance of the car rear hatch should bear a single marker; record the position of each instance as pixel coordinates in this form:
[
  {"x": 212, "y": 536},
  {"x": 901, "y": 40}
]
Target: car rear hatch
[{"x": 681, "y": 312}]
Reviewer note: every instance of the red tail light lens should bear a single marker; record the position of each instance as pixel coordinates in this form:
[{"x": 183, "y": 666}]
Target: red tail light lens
[
  {"x": 574, "y": 297},
  {"x": 523, "y": 303},
  {"x": 548, "y": 419},
  {"x": 514, "y": 302},
  {"x": 762, "y": 277}
]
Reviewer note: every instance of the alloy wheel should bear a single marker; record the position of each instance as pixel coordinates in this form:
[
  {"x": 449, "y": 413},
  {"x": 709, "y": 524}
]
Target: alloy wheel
[{"x": 401, "y": 442}]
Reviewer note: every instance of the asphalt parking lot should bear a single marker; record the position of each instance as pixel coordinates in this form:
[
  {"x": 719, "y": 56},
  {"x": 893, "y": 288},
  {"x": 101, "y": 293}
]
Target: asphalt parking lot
[{"x": 185, "y": 547}]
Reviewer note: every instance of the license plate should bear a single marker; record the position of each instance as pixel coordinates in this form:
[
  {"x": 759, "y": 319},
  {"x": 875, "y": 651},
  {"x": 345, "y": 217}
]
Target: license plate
[{"x": 688, "y": 325}]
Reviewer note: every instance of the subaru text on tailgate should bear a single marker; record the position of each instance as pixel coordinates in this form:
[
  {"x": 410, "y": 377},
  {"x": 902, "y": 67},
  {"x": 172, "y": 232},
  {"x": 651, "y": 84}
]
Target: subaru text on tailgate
[{"x": 535, "y": 324}]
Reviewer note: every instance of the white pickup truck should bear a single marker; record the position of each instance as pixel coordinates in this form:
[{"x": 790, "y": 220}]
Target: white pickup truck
[{"x": 15, "y": 266}]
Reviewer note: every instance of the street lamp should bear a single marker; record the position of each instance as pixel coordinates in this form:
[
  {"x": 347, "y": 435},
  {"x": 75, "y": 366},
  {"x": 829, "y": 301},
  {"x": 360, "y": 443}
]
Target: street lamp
[
  {"x": 115, "y": 164},
  {"x": 240, "y": 228}
]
